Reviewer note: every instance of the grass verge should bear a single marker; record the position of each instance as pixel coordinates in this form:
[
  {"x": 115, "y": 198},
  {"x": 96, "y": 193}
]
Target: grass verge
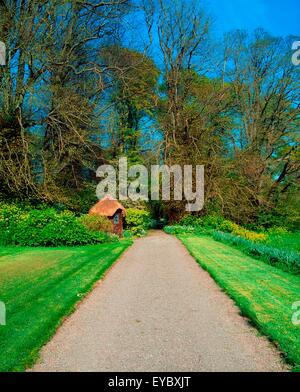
[
  {"x": 287, "y": 260},
  {"x": 263, "y": 293},
  {"x": 40, "y": 287},
  {"x": 290, "y": 241}
]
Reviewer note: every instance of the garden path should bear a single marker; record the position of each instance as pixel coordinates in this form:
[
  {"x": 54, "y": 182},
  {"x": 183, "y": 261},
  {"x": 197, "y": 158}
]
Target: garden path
[{"x": 157, "y": 310}]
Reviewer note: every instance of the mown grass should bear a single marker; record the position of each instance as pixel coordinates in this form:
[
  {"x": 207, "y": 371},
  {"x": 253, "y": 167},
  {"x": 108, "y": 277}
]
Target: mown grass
[
  {"x": 264, "y": 293},
  {"x": 39, "y": 288},
  {"x": 286, "y": 259}
]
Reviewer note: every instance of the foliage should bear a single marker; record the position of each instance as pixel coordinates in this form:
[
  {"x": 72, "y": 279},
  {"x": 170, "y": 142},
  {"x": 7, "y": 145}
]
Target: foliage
[
  {"x": 44, "y": 228},
  {"x": 83, "y": 199},
  {"x": 249, "y": 241},
  {"x": 48, "y": 131},
  {"x": 289, "y": 241},
  {"x": 263, "y": 293},
  {"x": 227, "y": 226},
  {"x": 191, "y": 220},
  {"x": 285, "y": 214},
  {"x": 212, "y": 221},
  {"x": 132, "y": 100},
  {"x": 137, "y": 221},
  {"x": 60, "y": 117},
  {"x": 247, "y": 234},
  {"x": 181, "y": 229},
  {"x": 96, "y": 223},
  {"x": 279, "y": 230},
  {"x": 40, "y": 287},
  {"x": 287, "y": 260},
  {"x": 218, "y": 222},
  {"x": 127, "y": 234}
]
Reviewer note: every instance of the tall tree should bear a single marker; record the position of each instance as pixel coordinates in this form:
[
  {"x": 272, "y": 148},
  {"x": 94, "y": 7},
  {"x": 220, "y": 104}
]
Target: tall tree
[
  {"x": 266, "y": 112},
  {"x": 133, "y": 78},
  {"x": 50, "y": 84}
]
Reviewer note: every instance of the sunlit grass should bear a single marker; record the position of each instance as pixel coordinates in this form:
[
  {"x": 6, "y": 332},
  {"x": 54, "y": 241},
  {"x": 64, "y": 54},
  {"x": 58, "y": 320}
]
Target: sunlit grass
[
  {"x": 39, "y": 288},
  {"x": 264, "y": 293}
]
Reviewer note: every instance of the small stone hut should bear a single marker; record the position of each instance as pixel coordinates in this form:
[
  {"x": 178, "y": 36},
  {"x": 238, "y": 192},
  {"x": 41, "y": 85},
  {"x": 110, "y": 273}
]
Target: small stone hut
[{"x": 113, "y": 210}]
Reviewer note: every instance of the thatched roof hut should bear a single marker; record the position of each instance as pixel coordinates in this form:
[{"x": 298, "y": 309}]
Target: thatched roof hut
[{"x": 113, "y": 210}]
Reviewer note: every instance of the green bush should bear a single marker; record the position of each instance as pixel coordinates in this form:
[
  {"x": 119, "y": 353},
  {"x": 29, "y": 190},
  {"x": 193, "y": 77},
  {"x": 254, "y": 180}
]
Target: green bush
[
  {"x": 96, "y": 223},
  {"x": 137, "y": 221},
  {"x": 179, "y": 229},
  {"x": 285, "y": 259},
  {"x": 213, "y": 221},
  {"x": 286, "y": 215},
  {"x": 226, "y": 225},
  {"x": 127, "y": 234},
  {"x": 45, "y": 228},
  {"x": 279, "y": 230},
  {"x": 217, "y": 222},
  {"x": 207, "y": 221},
  {"x": 191, "y": 220}
]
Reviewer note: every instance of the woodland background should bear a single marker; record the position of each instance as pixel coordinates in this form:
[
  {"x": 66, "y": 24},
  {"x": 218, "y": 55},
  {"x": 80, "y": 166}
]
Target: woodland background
[{"x": 87, "y": 82}]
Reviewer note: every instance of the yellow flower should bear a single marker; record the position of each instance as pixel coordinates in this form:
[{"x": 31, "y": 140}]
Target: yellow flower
[{"x": 248, "y": 234}]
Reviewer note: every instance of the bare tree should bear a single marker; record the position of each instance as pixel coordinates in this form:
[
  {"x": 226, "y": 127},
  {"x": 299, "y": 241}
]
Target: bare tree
[
  {"x": 266, "y": 94},
  {"x": 181, "y": 29},
  {"x": 50, "y": 83}
]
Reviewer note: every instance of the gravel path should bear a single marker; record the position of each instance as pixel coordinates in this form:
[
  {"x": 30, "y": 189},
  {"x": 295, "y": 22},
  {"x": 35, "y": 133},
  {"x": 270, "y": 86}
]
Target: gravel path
[{"x": 156, "y": 310}]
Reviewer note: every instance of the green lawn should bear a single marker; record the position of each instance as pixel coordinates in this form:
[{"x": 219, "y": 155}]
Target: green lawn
[
  {"x": 40, "y": 287},
  {"x": 290, "y": 241},
  {"x": 263, "y": 293}
]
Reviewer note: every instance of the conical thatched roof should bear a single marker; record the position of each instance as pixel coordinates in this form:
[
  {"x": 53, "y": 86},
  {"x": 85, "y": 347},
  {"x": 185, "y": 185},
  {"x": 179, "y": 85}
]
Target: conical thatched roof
[{"x": 108, "y": 206}]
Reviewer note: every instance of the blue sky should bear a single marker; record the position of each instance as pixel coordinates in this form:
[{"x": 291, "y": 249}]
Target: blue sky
[{"x": 279, "y": 17}]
